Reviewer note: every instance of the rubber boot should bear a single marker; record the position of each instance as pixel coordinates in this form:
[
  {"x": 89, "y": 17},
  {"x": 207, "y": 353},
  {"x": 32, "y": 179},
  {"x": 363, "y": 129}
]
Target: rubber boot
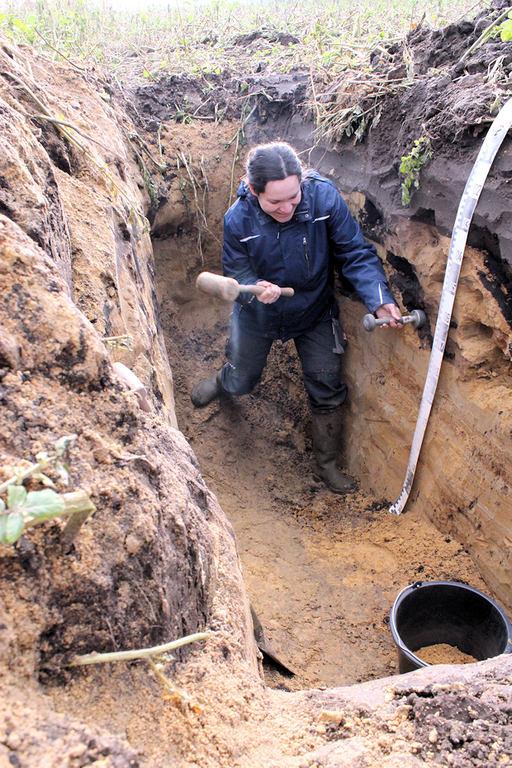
[
  {"x": 207, "y": 390},
  {"x": 326, "y": 434}
]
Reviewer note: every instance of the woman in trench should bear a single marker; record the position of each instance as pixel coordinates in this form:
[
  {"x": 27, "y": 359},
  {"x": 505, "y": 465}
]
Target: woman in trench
[{"x": 289, "y": 227}]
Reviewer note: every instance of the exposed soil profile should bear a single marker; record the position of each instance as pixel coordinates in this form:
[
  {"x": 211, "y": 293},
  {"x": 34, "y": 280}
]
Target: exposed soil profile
[{"x": 159, "y": 558}]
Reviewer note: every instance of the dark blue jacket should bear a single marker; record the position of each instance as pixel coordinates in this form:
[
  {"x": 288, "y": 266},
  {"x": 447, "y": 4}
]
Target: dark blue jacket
[{"x": 299, "y": 253}]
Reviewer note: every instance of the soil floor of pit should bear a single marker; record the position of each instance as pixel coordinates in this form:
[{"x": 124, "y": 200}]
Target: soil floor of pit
[{"x": 321, "y": 571}]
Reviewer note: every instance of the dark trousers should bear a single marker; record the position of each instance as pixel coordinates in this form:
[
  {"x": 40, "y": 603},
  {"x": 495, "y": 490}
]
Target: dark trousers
[{"x": 319, "y": 349}]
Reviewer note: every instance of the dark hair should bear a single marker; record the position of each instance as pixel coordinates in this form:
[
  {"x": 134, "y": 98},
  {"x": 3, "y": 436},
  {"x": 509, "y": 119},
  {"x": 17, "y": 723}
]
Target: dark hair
[{"x": 271, "y": 162}]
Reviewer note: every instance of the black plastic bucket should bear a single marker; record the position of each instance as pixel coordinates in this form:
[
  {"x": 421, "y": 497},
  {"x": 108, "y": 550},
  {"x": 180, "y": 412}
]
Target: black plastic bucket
[{"x": 435, "y": 612}]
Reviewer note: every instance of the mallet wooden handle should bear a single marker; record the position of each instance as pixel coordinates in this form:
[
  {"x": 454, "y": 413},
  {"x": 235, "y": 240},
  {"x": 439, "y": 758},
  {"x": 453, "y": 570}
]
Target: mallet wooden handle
[
  {"x": 227, "y": 288},
  {"x": 258, "y": 289}
]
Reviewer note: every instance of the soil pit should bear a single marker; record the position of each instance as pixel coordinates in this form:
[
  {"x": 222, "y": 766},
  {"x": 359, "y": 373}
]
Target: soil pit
[{"x": 321, "y": 571}]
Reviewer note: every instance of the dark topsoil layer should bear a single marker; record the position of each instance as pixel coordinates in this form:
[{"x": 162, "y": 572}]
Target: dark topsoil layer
[{"x": 446, "y": 94}]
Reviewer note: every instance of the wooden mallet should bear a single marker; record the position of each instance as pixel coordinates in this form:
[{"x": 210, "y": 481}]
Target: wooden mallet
[{"x": 228, "y": 288}]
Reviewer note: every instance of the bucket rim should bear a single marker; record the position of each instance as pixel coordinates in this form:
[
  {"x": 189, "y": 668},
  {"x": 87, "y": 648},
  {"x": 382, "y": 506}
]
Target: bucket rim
[{"x": 418, "y": 585}]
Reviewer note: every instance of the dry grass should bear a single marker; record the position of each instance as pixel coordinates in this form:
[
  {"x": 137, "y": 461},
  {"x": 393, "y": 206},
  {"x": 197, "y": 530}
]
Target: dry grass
[{"x": 156, "y": 41}]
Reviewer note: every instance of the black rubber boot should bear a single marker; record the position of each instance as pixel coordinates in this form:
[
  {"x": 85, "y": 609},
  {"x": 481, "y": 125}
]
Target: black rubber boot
[
  {"x": 326, "y": 434},
  {"x": 207, "y": 390}
]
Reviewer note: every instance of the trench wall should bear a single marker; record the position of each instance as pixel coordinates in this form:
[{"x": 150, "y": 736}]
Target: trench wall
[
  {"x": 78, "y": 270},
  {"x": 465, "y": 471}
]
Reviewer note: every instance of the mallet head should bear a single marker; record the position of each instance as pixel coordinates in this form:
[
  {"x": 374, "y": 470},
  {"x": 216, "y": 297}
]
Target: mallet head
[{"x": 417, "y": 319}]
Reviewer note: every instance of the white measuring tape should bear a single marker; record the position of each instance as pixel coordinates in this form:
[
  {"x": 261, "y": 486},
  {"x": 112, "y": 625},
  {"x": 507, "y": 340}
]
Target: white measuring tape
[{"x": 470, "y": 197}]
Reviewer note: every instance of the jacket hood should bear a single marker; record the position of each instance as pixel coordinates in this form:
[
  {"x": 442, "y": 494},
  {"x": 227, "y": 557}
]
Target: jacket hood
[{"x": 243, "y": 190}]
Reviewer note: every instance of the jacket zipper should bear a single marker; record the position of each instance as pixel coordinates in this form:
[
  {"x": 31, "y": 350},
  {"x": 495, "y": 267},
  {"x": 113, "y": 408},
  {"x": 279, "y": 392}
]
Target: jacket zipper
[{"x": 306, "y": 254}]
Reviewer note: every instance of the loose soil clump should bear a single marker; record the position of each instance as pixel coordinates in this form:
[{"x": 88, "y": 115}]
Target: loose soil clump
[{"x": 444, "y": 654}]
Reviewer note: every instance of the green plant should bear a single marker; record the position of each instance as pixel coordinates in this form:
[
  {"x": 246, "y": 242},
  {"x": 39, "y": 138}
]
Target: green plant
[
  {"x": 22, "y": 509},
  {"x": 150, "y": 188},
  {"x": 506, "y": 28},
  {"x": 411, "y": 165},
  {"x": 199, "y": 36},
  {"x": 22, "y": 30}
]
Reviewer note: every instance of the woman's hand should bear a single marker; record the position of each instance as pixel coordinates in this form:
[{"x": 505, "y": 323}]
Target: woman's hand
[
  {"x": 270, "y": 294},
  {"x": 390, "y": 310}
]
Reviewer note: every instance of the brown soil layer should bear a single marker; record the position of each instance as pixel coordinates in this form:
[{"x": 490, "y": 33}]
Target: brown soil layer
[{"x": 443, "y": 654}]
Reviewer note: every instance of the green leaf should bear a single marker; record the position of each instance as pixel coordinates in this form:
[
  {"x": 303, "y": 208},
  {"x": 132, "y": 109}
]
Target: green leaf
[
  {"x": 2, "y": 505},
  {"x": 506, "y": 31},
  {"x": 3, "y": 521},
  {"x": 44, "y": 505},
  {"x": 16, "y": 495},
  {"x": 14, "y": 526}
]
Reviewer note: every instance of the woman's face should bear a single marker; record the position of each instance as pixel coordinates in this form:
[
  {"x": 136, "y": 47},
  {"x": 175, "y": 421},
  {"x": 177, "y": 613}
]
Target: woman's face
[{"x": 280, "y": 198}]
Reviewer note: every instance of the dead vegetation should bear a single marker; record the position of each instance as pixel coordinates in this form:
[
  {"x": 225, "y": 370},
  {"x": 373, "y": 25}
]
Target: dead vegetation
[{"x": 450, "y": 96}]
